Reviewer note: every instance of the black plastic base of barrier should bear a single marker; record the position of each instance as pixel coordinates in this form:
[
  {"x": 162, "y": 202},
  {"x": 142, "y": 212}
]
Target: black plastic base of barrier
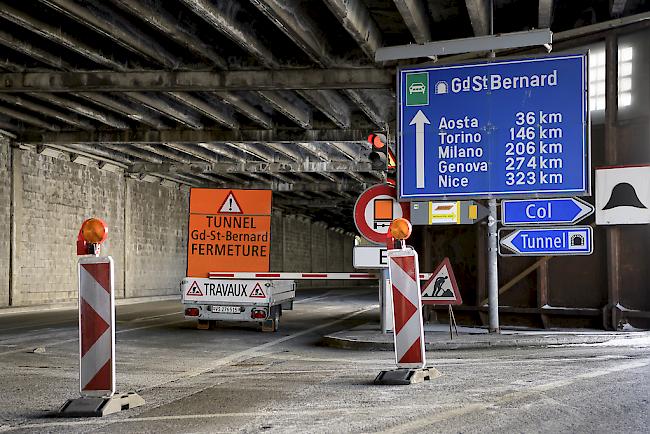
[
  {"x": 406, "y": 376},
  {"x": 98, "y": 407}
]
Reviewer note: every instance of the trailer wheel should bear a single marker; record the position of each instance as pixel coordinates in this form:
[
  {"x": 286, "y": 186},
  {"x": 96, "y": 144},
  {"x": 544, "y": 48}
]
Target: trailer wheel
[{"x": 273, "y": 323}]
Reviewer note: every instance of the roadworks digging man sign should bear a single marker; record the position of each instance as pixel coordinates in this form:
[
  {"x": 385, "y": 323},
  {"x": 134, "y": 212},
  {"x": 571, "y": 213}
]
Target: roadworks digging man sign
[
  {"x": 229, "y": 230},
  {"x": 441, "y": 288}
]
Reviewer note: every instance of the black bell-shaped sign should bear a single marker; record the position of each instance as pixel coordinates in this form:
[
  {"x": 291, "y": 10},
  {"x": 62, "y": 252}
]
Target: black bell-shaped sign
[{"x": 623, "y": 194}]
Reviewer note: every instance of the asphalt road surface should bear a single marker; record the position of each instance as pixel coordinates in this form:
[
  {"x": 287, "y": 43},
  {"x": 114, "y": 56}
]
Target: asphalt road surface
[{"x": 237, "y": 379}]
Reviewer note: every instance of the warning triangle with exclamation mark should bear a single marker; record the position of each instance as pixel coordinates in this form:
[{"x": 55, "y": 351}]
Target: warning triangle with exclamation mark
[{"x": 230, "y": 205}]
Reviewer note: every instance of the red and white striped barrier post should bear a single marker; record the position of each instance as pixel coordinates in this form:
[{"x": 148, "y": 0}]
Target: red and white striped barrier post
[
  {"x": 407, "y": 308},
  {"x": 96, "y": 330},
  {"x": 96, "y": 327},
  {"x": 408, "y": 330}
]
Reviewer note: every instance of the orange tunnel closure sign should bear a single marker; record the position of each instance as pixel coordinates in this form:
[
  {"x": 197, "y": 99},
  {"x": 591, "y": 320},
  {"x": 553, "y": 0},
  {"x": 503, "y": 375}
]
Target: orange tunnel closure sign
[{"x": 229, "y": 230}]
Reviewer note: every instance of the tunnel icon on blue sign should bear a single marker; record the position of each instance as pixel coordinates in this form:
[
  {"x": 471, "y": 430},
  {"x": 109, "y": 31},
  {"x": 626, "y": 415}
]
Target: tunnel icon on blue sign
[{"x": 577, "y": 241}]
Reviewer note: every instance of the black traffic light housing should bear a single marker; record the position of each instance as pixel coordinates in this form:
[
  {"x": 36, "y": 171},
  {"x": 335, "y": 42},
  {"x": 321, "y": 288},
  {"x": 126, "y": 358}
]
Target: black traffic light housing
[
  {"x": 379, "y": 154},
  {"x": 381, "y": 157}
]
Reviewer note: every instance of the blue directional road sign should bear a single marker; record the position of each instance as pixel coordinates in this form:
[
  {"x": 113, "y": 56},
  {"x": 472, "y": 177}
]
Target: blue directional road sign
[
  {"x": 507, "y": 128},
  {"x": 573, "y": 240},
  {"x": 544, "y": 211}
]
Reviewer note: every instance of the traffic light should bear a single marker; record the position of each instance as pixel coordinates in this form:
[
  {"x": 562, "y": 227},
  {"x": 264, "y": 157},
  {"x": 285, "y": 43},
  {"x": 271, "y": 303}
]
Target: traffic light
[{"x": 379, "y": 154}]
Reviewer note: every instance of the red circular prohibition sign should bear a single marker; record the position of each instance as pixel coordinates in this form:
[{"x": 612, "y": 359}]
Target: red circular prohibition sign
[{"x": 360, "y": 206}]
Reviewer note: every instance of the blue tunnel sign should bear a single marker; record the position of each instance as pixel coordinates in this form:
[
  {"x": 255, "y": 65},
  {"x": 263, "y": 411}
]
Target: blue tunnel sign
[
  {"x": 494, "y": 129},
  {"x": 573, "y": 240}
]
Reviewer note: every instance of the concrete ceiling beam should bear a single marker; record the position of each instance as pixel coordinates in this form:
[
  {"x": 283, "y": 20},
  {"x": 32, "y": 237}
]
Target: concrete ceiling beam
[
  {"x": 357, "y": 21},
  {"x": 339, "y": 186},
  {"x": 370, "y": 104},
  {"x": 128, "y": 110},
  {"x": 222, "y": 16},
  {"x": 292, "y": 18},
  {"x": 192, "y": 81},
  {"x": 544, "y": 14},
  {"x": 351, "y": 151},
  {"x": 169, "y": 153},
  {"x": 56, "y": 34},
  {"x": 240, "y": 104},
  {"x": 176, "y": 136},
  {"x": 201, "y": 153},
  {"x": 295, "y": 112},
  {"x": 253, "y": 149},
  {"x": 316, "y": 150},
  {"x": 156, "y": 16},
  {"x": 90, "y": 151},
  {"x": 28, "y": 119},
  {"x": 136, "y": 152},
  {"x": 82, "y": 109},
  {"x": 618, "y": 7},
  {"x": 416, "y": 17},
  {"x": 331, "y": 104},
  {"x": 43, "y": 110},
  {"x": 164, "y": 108},
  {"x": 479, "y": 16},
  {"x": 105, "y": 21},
  {"x": 223, "y": 116},
  {"x": 30, "y": 50}
]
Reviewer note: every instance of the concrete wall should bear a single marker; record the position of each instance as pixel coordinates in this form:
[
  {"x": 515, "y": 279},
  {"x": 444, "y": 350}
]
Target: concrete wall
[
  {"x": 156, "y": 238},
  {"x": 51, "y": 196}
]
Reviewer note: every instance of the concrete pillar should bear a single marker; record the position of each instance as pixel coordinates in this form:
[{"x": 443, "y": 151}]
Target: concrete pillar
[
  {"x": 128, "y": 238},
  {"x": 5, "y": 220},
  {"x": 16, "y": 225}
]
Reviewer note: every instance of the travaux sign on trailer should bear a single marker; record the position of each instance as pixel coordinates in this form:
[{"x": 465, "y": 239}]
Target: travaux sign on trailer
[{"x": 229, "y": 230}]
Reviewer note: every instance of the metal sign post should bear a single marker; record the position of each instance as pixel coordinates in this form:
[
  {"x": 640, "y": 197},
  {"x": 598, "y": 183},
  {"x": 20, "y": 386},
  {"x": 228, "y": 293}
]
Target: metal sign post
[{"x": 493, "y": 268}]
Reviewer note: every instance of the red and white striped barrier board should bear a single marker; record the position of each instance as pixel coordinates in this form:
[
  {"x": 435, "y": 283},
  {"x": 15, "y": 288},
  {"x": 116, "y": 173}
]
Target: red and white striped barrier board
[
  {"x": 96, "y": 327},
  {"x": 300, "y": 276},
  {"x": 407, "y": 308}
]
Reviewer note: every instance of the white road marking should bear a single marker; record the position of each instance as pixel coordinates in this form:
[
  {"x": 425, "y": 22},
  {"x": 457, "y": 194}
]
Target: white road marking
[
  {"x": 317, "y": 297},
  {"x": 256, "y": 351},
  {"x": 146, "y": 318}
]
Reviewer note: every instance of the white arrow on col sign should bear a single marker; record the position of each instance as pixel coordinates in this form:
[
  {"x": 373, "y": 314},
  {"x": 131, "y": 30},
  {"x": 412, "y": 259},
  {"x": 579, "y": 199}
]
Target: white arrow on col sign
[{"x": 419, "y": 120}]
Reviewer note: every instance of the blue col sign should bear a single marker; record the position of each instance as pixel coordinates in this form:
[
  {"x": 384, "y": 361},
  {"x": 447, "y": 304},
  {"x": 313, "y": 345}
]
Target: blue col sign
[
  {"x": 544, "y": 211},
  {"x": 500, "y": 129},
  {"x": 574, "y": 240}
]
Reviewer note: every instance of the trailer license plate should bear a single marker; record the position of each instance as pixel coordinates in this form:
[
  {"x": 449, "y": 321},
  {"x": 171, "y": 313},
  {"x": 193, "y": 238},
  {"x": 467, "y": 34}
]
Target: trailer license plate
[{"x": 226, "y": 309}]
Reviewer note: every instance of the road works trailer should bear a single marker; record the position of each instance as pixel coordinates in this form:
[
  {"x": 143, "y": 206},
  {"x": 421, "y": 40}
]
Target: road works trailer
[{"x": 251, "y": 300}]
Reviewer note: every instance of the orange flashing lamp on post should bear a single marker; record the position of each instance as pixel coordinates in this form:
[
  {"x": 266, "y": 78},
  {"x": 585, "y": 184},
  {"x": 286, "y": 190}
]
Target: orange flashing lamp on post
[
  {"x": 92, "y": 234},
  {"x": 398, "y": 231}
]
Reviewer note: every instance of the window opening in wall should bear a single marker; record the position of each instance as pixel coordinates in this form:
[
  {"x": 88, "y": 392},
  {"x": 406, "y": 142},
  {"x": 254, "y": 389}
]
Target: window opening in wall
[{"x": 597, "y": 78}]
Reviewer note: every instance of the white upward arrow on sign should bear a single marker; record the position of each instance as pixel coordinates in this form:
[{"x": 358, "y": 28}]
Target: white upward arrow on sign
[{"x": 419, "y": 120}]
